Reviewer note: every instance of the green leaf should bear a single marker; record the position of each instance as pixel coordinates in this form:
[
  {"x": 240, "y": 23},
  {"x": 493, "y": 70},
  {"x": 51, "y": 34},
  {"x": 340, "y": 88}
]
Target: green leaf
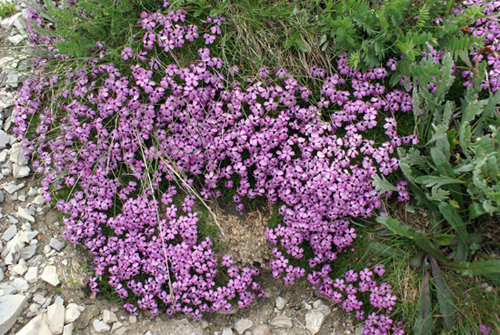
[
  {"x": 455, "y": 220},
  {"x": 437, "y": 194},
  {"x": 384, "y": 250},
  {"x": 485, "y": 268},
  {"x": 443, "y": 239},
  {"x": 382, "y": 185},
  {"x": 424, "y": 323},
  {"x": 430, "y": 181},
  {"x": 443, "y": 293},
  {"x": 397, "y": 227},
  {"x": 476, "y": 210},
  {"x": 444, "y": 168}
]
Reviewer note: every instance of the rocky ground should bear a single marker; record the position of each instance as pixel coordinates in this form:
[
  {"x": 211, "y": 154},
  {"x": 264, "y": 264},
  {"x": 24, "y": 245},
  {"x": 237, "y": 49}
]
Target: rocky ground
[{"x": 43, "y": 279}]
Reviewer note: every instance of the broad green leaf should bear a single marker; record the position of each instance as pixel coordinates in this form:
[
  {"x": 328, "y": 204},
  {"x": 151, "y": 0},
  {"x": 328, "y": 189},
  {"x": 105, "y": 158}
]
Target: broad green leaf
[
  {"x": 463, "y": 168},
  {"x": 424, "y": 323},
  {"x": 384, "y": 250},
  {"x": 397, "y": 227},
  {"x": 430, "y": 181},
  {"x": 455, "y": 220},
  {"x": 461, "y": 253},
  {"x": 443, "y": 293},
  {"x": 443, "y": 239},
  {"x": 437, "y": 194},
  {"x": 476, "y": 210}
]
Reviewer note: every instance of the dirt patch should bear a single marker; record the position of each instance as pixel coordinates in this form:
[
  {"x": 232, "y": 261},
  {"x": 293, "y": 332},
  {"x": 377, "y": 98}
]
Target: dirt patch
[{"x": 244, "y": 235}]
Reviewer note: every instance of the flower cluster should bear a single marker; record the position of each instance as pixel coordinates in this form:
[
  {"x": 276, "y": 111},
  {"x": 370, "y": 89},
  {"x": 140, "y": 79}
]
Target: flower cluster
[
  {"x": 123, "y": 131},
  {"x": 349, "y": 291}
]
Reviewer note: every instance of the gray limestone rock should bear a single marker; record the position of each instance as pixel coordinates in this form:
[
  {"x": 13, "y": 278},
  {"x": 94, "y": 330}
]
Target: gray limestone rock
[
  {"x": 56, "y": 244},
  {"x": 280, "y": 303},
  {"x": 20, "y": 284},
  {"x": 23, "y": 214},
  {"x": 282, "y": 321},
  {"x": 101, "y": 327},
  {"x": 9, "y": 233},
  {"x": 10, "y": 308},
  {"x": 50, "y": 275},
  {"x": 108, "y": 316},
  {"x": 55, "y": 318},
  {"x": 17, "y": 154},
  {"x": 20, "y": 171},
  {"x": 4, "y": 139},
  {"x": 36, "y": 326},
  {"x": 31, "y": 275},
  {"x": 28, "y": 252},
  {"x": 242, "y": 325}
]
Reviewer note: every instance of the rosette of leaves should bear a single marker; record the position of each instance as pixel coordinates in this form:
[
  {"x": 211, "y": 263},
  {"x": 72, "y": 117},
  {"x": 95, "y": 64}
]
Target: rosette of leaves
[
  {"x": 373, "y": 33},
  {"x": 455, "y": 176}
]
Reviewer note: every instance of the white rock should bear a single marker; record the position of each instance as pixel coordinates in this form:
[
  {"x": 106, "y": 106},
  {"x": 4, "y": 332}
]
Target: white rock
[
  {"x": 27, "y": 236},
  {"x": 17, "y": 154},
  {"x": 280, "y": 303},
  {"x": 32, "y": 275},
  {"x": 13, "y": 18},
  {"x": 4, "y": 154},
  {"x": 4, "y": 139},
  {"x": 71, "y": 315},
  {"x": 5, "y": 23},
  {"x": 132, "y": 319},
  {"x": 20, "y": 171},
  {"x": 242, "y": 325},
  {"x": 20, "y": 284},
  {"x": 20, "y": 24},
  {"x": 11, "y": 187},
  {"x": 21, "y": 267},
  {"x": 120, "y": 331},
  {"x": 16, "y": 39},
  {"x": 10, "y": 308},
  {"x": 32, "y": 192},
  {"x": 68, "y": 329},
  {"x": 59, "y": 301},
  {"x": 314, "y": 320},
  {"x": 39, "y": 299},
  {"x": 227, "y": 331},
  {"x": 108, "y": 316},
  {"x": 34, "y": 307},
  {"x": 116, "y": 326},
  {"x": 37, "y": 326},
  {"x": 9, "y": 233},
  {"x": 50, "y": 275},
  {"x": 55, "y": 318},
  {"x": 282, "y": 321},
  {"x": 39, "y": 200},
  {"x": 6, "y": 125},
  {"x": 101, "y": 327},
  {"x": 23, "y": 214}
]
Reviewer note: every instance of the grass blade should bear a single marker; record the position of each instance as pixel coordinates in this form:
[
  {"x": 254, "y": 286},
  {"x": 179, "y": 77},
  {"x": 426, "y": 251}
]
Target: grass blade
[
  {"x": 424, "y": 323},
  {"x": 443, "y": 294},
  {"x": 384, "y": 250}
]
